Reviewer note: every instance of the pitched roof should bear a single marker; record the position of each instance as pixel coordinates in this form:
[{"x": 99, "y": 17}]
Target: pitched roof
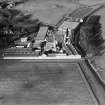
[
  {"x": 69, "y": 25},
  {"x": 42, "y": 33}
]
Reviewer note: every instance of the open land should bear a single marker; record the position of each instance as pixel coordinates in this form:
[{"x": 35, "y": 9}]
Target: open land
[
  {"x": 42, "y": 84},
  {"x": 49, "y": 11}
]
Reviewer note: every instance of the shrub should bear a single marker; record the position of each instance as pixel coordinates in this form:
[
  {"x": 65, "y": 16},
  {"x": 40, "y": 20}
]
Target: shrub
[{"x": 14, "y": 24}]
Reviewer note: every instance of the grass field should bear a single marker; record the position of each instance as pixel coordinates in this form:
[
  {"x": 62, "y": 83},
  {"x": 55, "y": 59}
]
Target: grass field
[
  {"x": 42, "y": 84},
  {"x": 47, "y": 11},
  {"x": 91, "y": 2},
  {"x": 50, "y": 11}
]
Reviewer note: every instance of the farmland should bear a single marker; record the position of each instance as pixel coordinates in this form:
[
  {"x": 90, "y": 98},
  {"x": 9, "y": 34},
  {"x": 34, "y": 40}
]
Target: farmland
[{"x": 42, "y": 83}]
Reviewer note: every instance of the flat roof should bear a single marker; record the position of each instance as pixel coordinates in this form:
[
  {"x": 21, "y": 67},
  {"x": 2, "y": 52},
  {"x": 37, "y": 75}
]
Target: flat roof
[{"x": 69, "y": 25}]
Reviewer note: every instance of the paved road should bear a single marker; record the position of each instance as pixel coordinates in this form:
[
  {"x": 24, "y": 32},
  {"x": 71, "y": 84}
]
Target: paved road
[{"x": 42, "y": 84}]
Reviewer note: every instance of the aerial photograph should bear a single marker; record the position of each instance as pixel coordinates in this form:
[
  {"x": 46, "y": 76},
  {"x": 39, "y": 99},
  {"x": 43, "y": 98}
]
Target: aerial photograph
[{"x": 52, "y": 52}]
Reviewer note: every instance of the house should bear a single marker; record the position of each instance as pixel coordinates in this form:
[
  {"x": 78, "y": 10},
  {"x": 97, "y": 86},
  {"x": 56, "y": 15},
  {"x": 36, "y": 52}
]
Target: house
[{"x": 22, "y": 42}]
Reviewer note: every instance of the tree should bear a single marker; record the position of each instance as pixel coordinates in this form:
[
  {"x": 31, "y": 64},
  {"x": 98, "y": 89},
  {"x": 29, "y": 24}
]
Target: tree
[
  {"x": 93, "y": 40},
  {"x": 14, "y": 24}
]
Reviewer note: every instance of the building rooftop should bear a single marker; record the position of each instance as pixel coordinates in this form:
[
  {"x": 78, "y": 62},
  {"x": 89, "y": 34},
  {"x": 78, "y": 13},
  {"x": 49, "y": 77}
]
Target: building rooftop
[
  {"x": 42, "y": 33},
  {"x": 69, "y": 25}
]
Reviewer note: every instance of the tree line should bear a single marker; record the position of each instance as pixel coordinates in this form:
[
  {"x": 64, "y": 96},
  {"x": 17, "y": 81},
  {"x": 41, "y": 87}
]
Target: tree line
[
  {"x": 91, "y": 39},
  {"x": 15, "y": 24}
]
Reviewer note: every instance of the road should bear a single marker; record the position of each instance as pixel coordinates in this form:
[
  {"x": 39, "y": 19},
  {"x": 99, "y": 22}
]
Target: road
[{"x": 39, "y": 83}]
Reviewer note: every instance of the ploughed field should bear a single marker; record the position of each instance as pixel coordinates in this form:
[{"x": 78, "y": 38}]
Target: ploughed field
[{"x": 36, "y": 83}]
